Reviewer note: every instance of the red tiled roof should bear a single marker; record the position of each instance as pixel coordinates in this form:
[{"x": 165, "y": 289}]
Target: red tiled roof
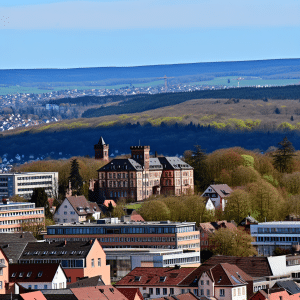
[
  {"x": 37, "y": 295},
  {"x": 149, "y": 276},
  {"x": 187, "y": 296},
  {"x": 130, "y": 293},
  {"x": 252, "y": 266},
  {"x": 106, "y": 203},
  {"x": 106, "y": 292},
  {"x": 135, "y": 217},
  {"x": 32, "y": 272}
]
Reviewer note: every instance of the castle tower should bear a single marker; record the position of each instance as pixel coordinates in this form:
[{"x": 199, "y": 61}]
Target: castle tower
[
  {"x": 101, "y": 150},
  {"x": 141, "y": 154}
]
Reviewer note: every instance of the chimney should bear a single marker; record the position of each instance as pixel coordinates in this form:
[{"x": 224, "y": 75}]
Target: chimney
[{"x": 65, "y": 242}]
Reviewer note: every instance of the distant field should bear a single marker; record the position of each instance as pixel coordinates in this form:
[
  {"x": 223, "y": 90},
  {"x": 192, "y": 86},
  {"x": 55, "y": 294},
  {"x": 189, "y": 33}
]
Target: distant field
[
  {"x": 23, "y": 89},
  {"x": 253, "y": 81},
  {"x": 134, "y": 206}
]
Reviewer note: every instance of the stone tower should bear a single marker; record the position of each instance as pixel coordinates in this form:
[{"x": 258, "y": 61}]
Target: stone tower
[
  {"x": 141, "y": 154},
  {"x": 101, "y": 150}
]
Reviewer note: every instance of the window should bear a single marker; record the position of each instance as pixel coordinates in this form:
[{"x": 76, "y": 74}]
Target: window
[
  {"x": 202, "y": 282},
  {"x": 162, "y": 278},
  {"x": 99, "y": 262},
  {"x": 207, "y": 292},
  {"x": 69, "y": 279},
  {"x": 28, "y": 274},
  {"x": 171, "y": 291},
  {"x": 201, "y": 292},
  {"x": 207, "y": 282},
  {"x": 65, "y": 206},
  {"x": 196, "y": 292},
  {"x": 29, "y": 286},
  {"x": 1, "y": 285},
  {"x": 222, "y": 293},
  {"x": 35, "y": 287},
  {"x": 182, "y": 291},
  {"x": 1, "y": 271},
  {"x": 157, "y": 291},
  {"x": 45, "y": 287},
  {"x": 164, "y": 291},
  {"x": 40, "y": 274},
  {"x": 151, "y": 291},
  {"x": 93, "y": 263}
]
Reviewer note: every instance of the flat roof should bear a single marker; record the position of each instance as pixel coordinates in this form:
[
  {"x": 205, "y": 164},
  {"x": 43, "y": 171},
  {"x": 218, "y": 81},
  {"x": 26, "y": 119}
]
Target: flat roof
[
  {"x": 285, "y": 223},
  {"x": 153, "y": 223},
  {"x": 25, "y": 173}
]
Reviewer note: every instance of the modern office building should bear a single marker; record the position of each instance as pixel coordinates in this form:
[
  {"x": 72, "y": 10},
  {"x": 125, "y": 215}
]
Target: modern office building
[
  {"x": 14, "y": 214},
  {"x": 271, "y": 235},
  {"x": 112, "y": 233},
  {"x": 22, "y": 184},
  {"x": 122, "y": 261}
]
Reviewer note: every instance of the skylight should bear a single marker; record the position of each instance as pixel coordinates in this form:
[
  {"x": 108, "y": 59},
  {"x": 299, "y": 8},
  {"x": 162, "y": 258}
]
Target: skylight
[
  {"x": 13, "y": 274},
  {"x": 237, "y": 281},
  {"x": 137, "y": 278},
  {"x": 219, "y": 279},
  {"x": 29, "y": 274},
  {"x": 21, "y": 274},
  {"x": 40, "y": 274},
  {"x": 162, "y": 278}
]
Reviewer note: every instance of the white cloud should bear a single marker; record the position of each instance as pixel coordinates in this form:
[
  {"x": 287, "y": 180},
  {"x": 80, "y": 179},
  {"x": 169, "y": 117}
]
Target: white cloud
[{"x": 153, "y": 14}]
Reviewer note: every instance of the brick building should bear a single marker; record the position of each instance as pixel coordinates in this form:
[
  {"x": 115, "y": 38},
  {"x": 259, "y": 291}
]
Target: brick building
[{"x": 141, "y": 176}]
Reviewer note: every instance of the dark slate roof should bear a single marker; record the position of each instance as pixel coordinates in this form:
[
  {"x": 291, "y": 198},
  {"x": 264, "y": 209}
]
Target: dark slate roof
[
  {"x": 173, "y": 162},
  {"x": 156, "y": 163},
  {"x": 13, "y": 244},
  {"x": 119, "y": 164},
  {"x": 92, "y": 281},
  {"x": 289, "y": 285},
  {"x": 60, "y": 294},
  {"x": 56, "y": 250},
  {"x": 32, "y": 272},
  {"x": 24, "y": 237}
]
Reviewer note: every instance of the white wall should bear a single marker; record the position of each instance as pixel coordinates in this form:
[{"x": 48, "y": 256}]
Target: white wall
[{"x": 70, "y": 216}]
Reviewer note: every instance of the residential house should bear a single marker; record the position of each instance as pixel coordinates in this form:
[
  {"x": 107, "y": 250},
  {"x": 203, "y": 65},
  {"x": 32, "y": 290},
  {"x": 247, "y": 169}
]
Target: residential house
[
  {"x": 38, "y": 276},
  {"x": 78, "y": 259},
  {"x": 106, "y": 292},
  {"x": 186, "y": 296},
  {"x": 247, "y": 222},
  {"x": 156, "y": 282},
  {"x": 208, "y": 228},
  {"x": 276, "y": 293},
  {"x": 218, "y": 193},
  {"x": 4, "y": 272},
  {"x": 76, "y": 209}
]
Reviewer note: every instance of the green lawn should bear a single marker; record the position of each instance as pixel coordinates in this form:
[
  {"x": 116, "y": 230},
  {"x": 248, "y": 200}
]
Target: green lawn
[{"x": 134, "y": 206}]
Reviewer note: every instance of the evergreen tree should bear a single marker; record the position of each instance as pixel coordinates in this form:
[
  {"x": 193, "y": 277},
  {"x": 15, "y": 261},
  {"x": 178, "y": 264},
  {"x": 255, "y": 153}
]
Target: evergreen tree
[
  {"x": 197, "y": 159},
  {"x": 40, "y": 198},
  {"x": 283, "y": 156},
  {"x": 75, "y": 178}
]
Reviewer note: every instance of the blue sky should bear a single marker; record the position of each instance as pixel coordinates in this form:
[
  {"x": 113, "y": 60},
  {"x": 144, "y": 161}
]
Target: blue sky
[{"x": 70, "y": 34}]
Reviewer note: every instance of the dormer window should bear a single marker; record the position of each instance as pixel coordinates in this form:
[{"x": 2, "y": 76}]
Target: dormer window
[
  {"x": 28, "y": 274},
  {"x": 137, "y": 278},
  {"x": 162, "y": 278}
]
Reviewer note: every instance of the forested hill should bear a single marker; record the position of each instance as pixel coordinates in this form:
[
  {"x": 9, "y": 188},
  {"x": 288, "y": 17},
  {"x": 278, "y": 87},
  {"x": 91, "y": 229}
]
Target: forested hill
[
  {"x": 285, "y": 68},
  {"x": 142, "y": 103}
]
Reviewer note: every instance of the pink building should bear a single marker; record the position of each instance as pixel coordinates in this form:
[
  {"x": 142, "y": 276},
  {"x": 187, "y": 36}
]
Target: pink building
[{"x": 4, "y": 272}]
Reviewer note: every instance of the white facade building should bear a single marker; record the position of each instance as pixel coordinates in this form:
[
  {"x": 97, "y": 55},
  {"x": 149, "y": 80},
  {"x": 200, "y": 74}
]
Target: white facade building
[
  {"x": 22, "y": 184},
  {"x": 271, "y": 235}
]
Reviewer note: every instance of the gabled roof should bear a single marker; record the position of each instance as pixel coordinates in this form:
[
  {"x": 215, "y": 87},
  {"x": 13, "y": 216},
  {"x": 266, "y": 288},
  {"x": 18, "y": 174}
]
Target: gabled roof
[
  {"x": 13, "y": 250},
  {"x": 106, "y": 203},
  {"x": 229, "y": 275},
  {"x": 24, "y": 237},
  {"x": 187, "y": 296},
  {"x": 56, "y": 250},
  {"x": 248, "y": 220},
  {"x": 252, "y": 266},
  {"x": 174, "y": 163},
  {"x": 80, "y": 205},
  {"x": 106, "y": 292},
  {"x": 92, "y": 281},
  {"x": 222, "y": 189},
  {"x": 32, "y": 272},
  {"x": 131, "y": 293},
  {"x": 149, "y": 276},
  {"x": 135, "y": 217}
]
